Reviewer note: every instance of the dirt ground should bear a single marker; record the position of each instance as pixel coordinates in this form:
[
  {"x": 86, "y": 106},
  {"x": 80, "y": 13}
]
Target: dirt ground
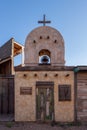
[{"x": 40, "y": 126}]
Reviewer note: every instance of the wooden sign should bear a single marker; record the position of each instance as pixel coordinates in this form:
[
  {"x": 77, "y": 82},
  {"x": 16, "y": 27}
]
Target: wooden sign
[{"x": 26, "y": 90}]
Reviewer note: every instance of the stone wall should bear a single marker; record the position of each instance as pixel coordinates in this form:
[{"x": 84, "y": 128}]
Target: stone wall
[{"x": 25, "y": 105}]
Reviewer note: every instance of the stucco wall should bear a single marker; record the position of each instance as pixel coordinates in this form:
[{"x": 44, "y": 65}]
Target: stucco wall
[
  {"x": 25, "y": 105},
  {"x": 33, "y": 45}
]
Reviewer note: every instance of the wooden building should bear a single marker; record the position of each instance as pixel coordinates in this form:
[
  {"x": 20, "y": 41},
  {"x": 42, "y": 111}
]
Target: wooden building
[
  {"x": 81, "y": 92},
  {"x": 7, "y": 53}
]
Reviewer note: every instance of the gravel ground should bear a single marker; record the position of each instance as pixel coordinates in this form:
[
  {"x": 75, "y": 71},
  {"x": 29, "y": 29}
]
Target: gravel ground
[{"x": 38, "y": 126}]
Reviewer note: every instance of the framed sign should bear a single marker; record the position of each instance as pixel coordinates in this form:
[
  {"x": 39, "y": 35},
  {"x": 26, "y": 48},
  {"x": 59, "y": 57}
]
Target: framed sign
[{"x": 25, "y": 90}]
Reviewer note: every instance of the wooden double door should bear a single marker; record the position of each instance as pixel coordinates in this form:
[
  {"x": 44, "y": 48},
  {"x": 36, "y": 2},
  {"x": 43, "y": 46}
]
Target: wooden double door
[{"x": 44, "y": 103}]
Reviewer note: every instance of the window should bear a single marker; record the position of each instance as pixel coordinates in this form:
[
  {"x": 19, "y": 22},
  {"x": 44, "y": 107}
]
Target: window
[{"x": 64, "y": 92}]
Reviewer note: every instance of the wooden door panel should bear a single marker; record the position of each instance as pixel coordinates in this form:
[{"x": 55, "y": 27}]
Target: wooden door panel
[{"x": 45, "y": 103}]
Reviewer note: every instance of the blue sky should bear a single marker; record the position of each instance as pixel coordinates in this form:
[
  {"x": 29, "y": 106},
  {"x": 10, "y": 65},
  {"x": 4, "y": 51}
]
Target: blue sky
[{"x": 69, "y": 17}]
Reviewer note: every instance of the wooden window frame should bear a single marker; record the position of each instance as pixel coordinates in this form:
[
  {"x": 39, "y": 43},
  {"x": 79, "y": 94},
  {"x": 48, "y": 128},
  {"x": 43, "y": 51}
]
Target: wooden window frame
[{"x": 64, "y": 92}]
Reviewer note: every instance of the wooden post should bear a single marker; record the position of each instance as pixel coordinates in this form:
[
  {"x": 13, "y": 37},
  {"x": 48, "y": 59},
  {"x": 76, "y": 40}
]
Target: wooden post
[{"x": 22, "y": 56}]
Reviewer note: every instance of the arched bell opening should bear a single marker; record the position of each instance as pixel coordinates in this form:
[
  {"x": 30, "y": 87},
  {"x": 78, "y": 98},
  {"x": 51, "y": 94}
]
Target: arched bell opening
[{"x": 44, "y": 57}]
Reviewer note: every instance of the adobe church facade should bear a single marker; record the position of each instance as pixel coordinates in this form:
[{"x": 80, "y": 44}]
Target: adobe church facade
[{"x": 44, "y": 87}]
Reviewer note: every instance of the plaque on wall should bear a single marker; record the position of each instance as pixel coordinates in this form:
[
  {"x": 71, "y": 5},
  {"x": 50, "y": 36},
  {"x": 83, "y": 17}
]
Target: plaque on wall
[{"x": 26, "y": 90}]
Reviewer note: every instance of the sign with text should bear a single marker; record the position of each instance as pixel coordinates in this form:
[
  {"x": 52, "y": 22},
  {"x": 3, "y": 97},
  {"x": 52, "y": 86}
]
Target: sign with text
[{"x": 26, "y": 90}]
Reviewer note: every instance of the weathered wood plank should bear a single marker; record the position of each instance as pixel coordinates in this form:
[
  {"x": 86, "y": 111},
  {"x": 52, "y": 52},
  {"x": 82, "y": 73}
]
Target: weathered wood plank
[
  {"x": 7, "y": 95},
  {"x": 82, "y": 96}
]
